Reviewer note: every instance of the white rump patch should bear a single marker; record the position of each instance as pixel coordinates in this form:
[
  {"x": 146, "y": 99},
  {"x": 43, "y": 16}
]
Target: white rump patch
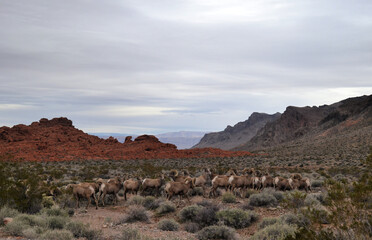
[
  {"x": 231, "y": 178},
  {"x": 144, "y": 180},
  {"x": 214, "y": 179}
]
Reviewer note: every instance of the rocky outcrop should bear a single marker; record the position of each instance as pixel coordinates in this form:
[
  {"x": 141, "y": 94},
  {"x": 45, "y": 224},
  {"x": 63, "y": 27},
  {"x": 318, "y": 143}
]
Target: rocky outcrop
[
  {"x": 237, "y": 135},
  {"x": 58, "y": 140}
]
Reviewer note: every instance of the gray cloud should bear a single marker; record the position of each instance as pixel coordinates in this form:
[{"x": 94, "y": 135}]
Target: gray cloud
[{"x": 158, "y": 66}]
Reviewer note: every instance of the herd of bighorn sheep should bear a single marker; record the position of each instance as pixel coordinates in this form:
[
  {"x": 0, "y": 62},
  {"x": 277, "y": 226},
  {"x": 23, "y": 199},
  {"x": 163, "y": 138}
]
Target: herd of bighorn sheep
[{"x": 179, "y": 185}]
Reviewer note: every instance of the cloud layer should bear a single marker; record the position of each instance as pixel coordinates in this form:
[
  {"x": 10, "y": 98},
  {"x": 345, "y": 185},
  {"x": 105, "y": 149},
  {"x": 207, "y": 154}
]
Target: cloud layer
[{"x": 159, "y": 66}]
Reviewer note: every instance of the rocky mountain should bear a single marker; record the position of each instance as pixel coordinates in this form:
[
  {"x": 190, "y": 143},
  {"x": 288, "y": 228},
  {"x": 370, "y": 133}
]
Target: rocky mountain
[
  {"x": 346, "y": 123},
  {"x": 58, "y": 140},
  {"x": 239, "y": 134}
]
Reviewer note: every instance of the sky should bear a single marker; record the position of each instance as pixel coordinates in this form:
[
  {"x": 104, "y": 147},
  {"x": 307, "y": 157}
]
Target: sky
[{"x": 150, "y": 67}]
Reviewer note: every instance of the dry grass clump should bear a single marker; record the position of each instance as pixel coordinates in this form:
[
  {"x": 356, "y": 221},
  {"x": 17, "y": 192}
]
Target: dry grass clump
[
  {"x": 135, "y": 213},
  {"x": 237, "y": 218},
  {"x": 168, "y": 225}
]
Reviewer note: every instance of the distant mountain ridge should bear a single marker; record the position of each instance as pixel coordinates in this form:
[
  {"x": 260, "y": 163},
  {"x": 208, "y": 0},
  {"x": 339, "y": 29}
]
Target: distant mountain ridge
[
  {"x": 237, "y": 135},
  {"x": 313, "y": 123},
  {"x": 340, "y": 130}
]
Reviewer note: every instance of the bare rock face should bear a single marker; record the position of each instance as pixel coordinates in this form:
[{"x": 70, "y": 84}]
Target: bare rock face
[
  {"x": 128, "y": 139},
  {"x": 58, "y": 140},
  {"x": 237, "y": 135}
]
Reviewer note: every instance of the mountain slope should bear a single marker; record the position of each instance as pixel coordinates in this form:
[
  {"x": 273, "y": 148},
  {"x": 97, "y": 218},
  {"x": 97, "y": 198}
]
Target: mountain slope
[
  {"x": 237, "y": 135},
  {"x": 344, "y": 122}
]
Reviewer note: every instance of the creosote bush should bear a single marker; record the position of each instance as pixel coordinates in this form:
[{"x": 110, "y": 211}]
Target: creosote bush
[
  {"x": 262, "y": 199},
  {"x": 189, "y": 213},
  {"x": 277, "y": 231},
  {"x": 168, "y": 225},
  {"x": 228, "y": 198},
  {"x": 237, "y": 218},
  {"x": 165, "y": 207},
  {"x": 57, "y": 235},
  {"x": 217, "y": 232},
  {"x": 191, "y": 227},
  {"x": 135, "y": 213},
  {"x": 136, "y": 200},
  {"x": 267, "y": 222}
]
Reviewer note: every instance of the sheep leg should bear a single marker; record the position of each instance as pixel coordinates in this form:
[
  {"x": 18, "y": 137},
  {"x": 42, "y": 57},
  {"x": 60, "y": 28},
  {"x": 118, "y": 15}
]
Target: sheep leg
[
  {"x": 77, "y": 201},
  {"x": 95, "y": 200}
]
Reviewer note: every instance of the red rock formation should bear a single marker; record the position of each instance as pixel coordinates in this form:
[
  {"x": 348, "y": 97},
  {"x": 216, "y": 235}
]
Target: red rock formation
[{"x": 59, "y": 140}]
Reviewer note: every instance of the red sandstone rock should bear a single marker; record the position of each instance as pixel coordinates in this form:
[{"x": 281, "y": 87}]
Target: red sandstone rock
[{"x": 59, "y": 140}]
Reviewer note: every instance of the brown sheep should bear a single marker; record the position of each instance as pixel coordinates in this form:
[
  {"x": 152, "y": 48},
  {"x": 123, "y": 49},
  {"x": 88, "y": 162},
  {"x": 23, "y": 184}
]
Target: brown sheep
[
  {"x": 131, "y": 185},
  {"x": 112, "y": 186},
  {"x": 83, "y": 190},
  {"x": 284, "y": 184},
  {"x": 178, "y": 188},
  {"x": 241, "y": 182},
  {"x": 219, "y": 181},
  {"x": 267, "y": 181},
  {"x": 202, "y": 180},
  {"x": 301, "y": 184},
  {"x": 174, "y": 175},
  {"x": 150, "y": 183}
]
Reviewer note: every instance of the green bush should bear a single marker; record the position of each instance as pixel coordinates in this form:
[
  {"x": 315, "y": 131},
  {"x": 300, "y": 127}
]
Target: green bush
[
  {"x": 80, "y": 230},
  {"x": 56, "y": 222},
  {"x": 267, "y": 222},
  {"x": 7, "y": 212},
  {"x": 228, "y": 198},
  {"x": 317, "y": 183},
  {"x": 55, "y": 211},
  {"x": 295, "y": 219},
  {"x": 129, "y": 234},
  {"x": 135, "y": 214},
  {"x": 262, "y": 199},
  {"x": 207, "y": 216},
  {"x": 277, "y": 231},
  {"x": 57, "y": 235},
  {"x": 15, "y": 228},
  {"x": 191, "y": 227},
  {"x": 168, "y": 225},
  {"x": 30, "y": 233},
  {"x": 294, "y": 200},
  {"x": 136, "y": 200},
  {"x": 165, "y": 207},
  {"x": 237, "y": 218},
  {"x": 277, "y": 194},
  {"x": 189, "y": 213},
  {"x": 217, "y": 232}
]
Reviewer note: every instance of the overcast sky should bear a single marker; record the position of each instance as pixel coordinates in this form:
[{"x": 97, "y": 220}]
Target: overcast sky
[{"x": 166, "y": 65}]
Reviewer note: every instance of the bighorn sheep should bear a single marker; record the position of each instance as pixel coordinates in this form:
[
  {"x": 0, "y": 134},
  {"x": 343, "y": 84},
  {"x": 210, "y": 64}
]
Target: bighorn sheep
[
  {"x": 202, "y": 179},
  {"x": 267, "y": 181},
  {"x": 112, "y": 186},
  {"x": 131, "y": 185},
  {"x": 241, "y": 182},
  {"x": 219, "y": 181},
  {"x": 283, "y": 183},
  {"x": 300, "y": 183},
  {"x": 178, "y": 188},
  {"x": 174, "y": 175},
  {"x": 84, "y": 190},
  {"x": 150, "y": 183}
]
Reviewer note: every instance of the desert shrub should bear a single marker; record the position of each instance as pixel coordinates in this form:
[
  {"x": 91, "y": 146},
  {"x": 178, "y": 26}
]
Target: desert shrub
[
  {"x": 207, "y": 216},
  {"x": 55, "y": 211},
  {"x": 135, "y": 214},
  {"x": 206, "y": 203},
  {"x": 31, "y": 220},
  {"x": 136, "y": 200},
  {"x": 228, "y": 198},
  {"x": 80, "y": 230},
  {"x": 15, "y": 228},
  {"x": 165, "y": 207},
  {"x": 7, "y": 212},
  {"x": 262, "y": 199},
  {"x": 56, "y": 222},
  {"x": 311, "y": 200},
  {"x": 148, "y": 202},
  {"x": 294, "y": 200},
  {"x": 197, "y": 191},
  {"x": 191, "y": 227},
  {"x": 237, "y": 218},
  {"x": 277, "y": 231},
  {"x": 189, "y": 213},
  {"x": 249, "y": 192},
  {"x": 129, "y": 234},
  {"x": 30, "y": 233},
  {"x": 267, "y": 222},
  {"x": 317, "y": 183},
  {"x": 277, "y": 194},
  {"x": 168, "y": 225},
  {"x": 295, "y": 219},
  {"x": 57, "y": 235},
  {"x": 217, "y": 232}
]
